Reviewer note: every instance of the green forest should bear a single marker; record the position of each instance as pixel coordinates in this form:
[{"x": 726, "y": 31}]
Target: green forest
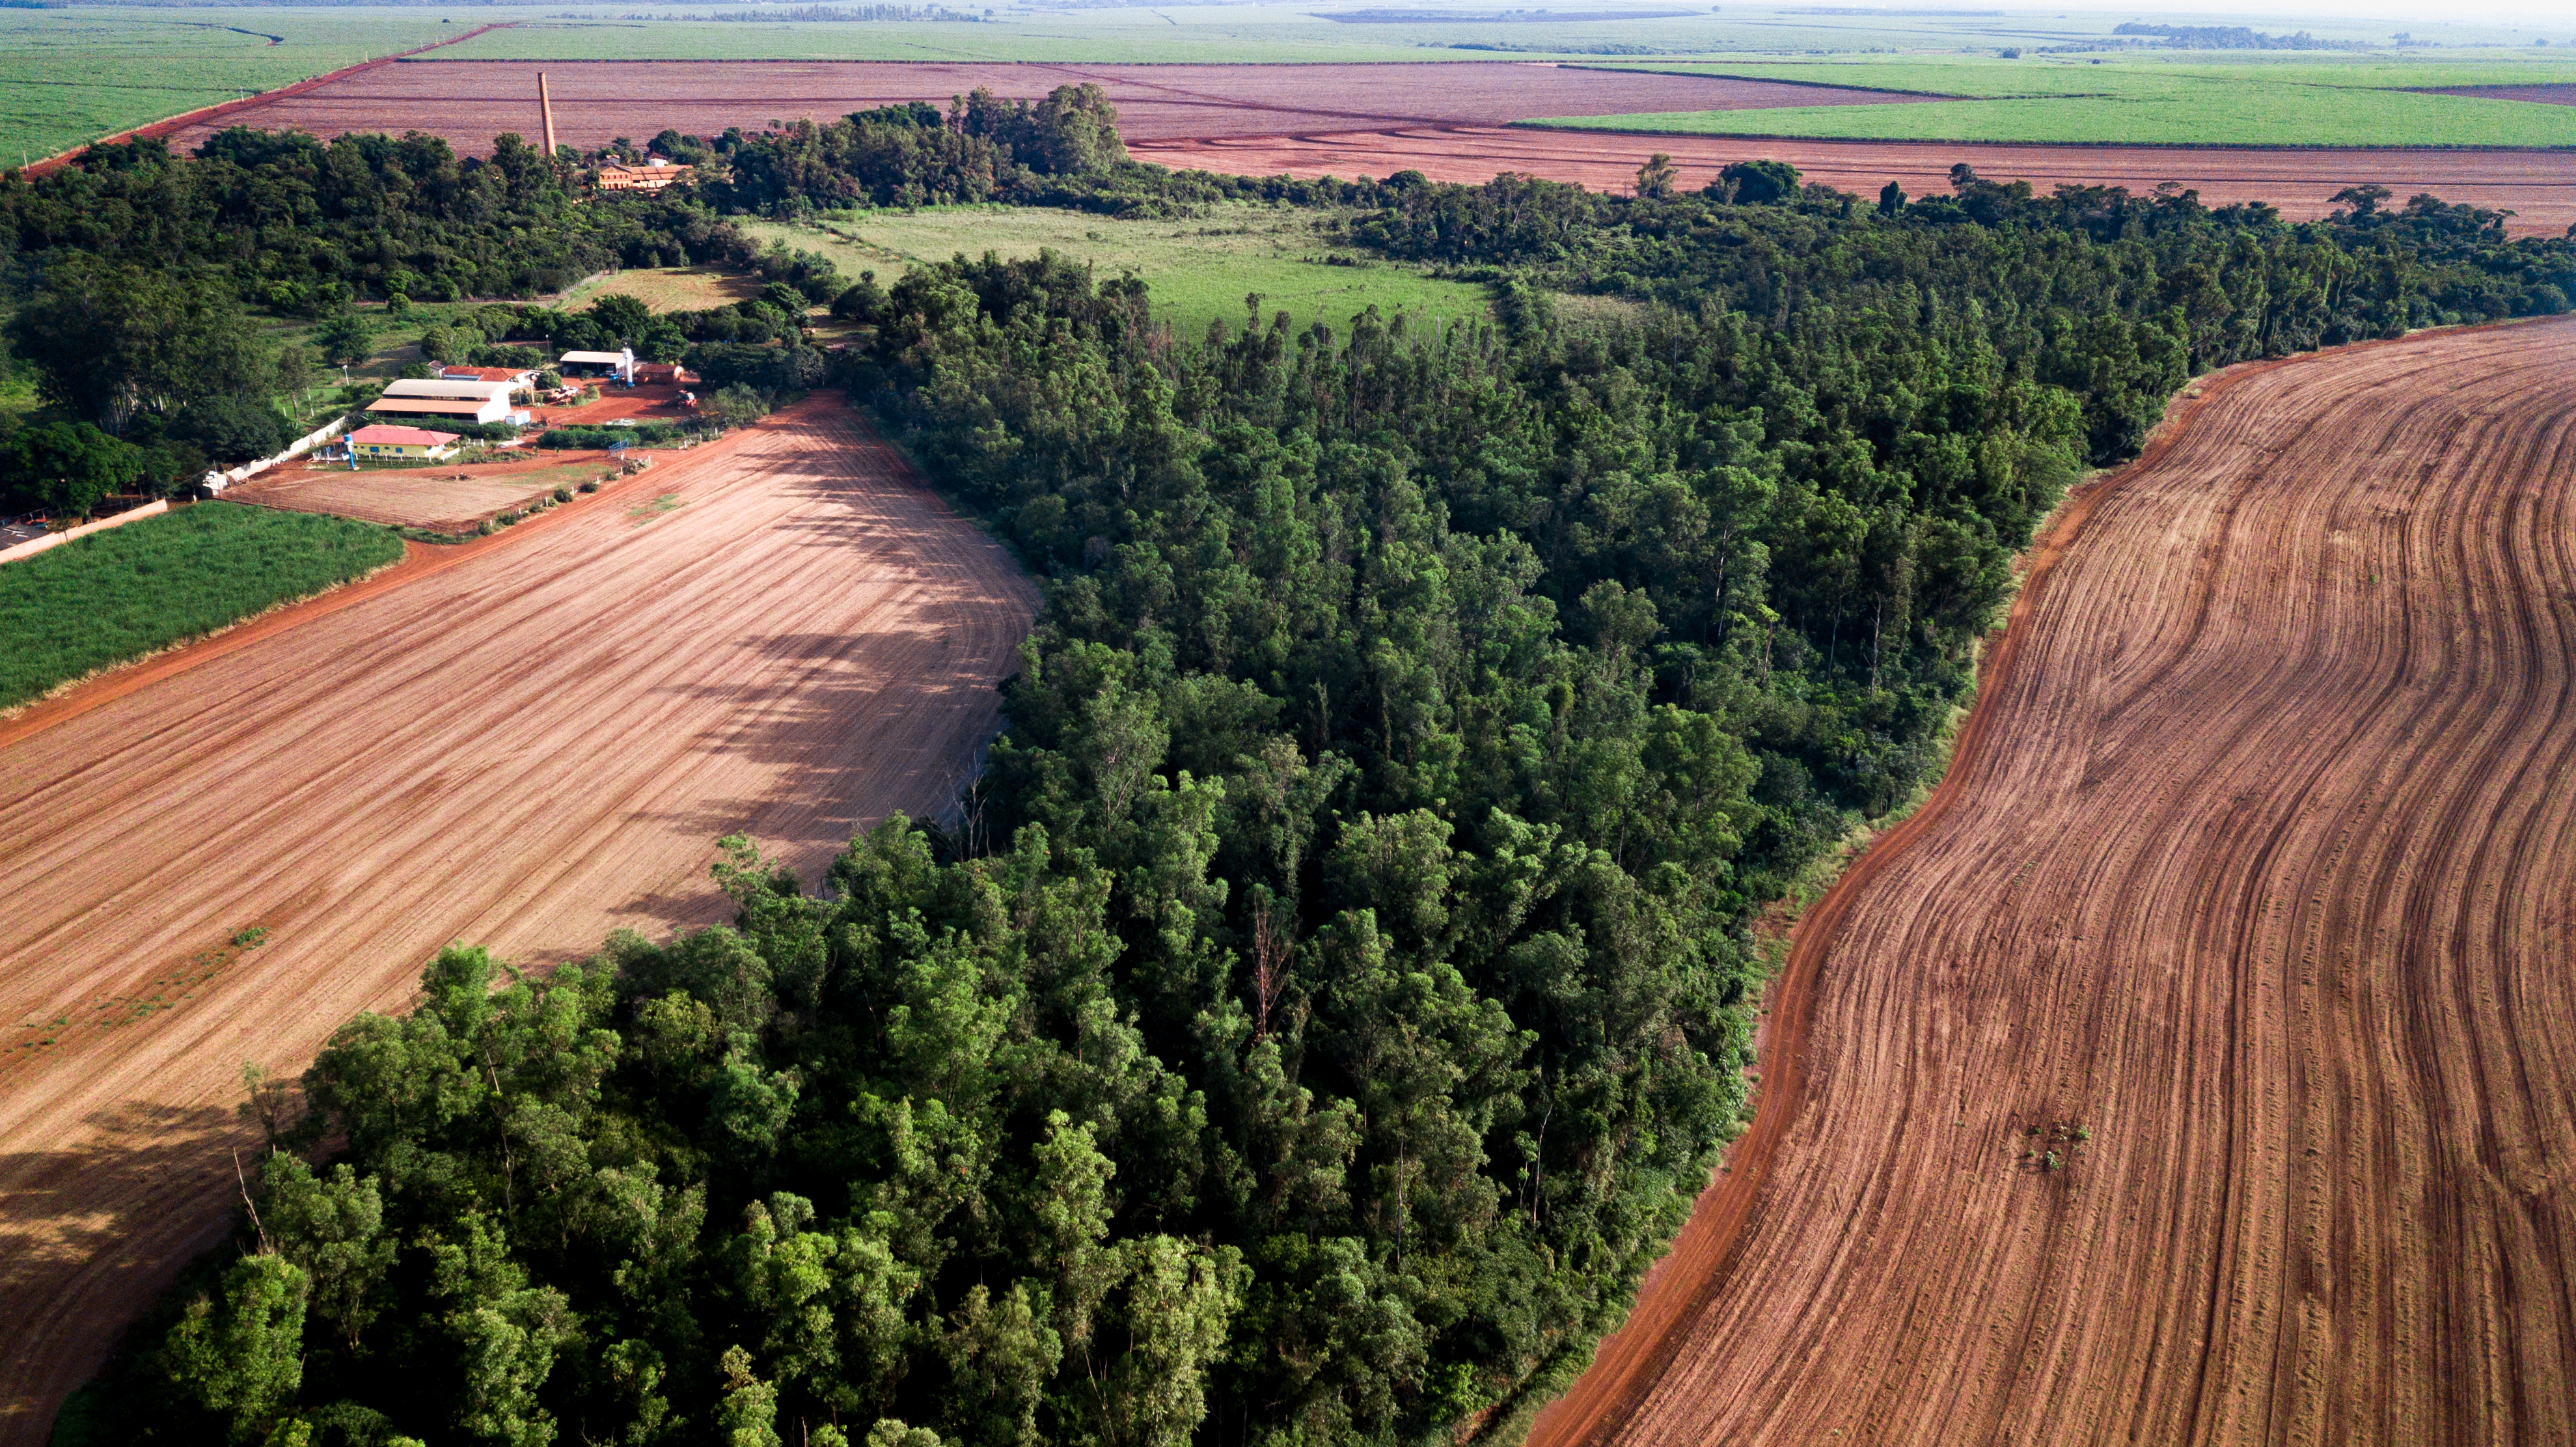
[{"x": 1334, "y": 992}]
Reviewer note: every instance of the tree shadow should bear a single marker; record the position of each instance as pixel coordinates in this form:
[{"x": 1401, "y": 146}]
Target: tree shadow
[{"x": 92, "y": 1231}]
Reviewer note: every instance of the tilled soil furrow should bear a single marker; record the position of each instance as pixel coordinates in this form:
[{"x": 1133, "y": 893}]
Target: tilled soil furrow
[
  {"x": 2248, "y": 894},
  {"x": 528, "y": 741}
]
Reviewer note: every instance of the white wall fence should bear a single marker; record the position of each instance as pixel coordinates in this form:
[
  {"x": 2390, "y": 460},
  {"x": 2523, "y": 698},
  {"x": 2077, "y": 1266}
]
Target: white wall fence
[
  {"x": 217, "y": 481},
  {"x": 33, "y": 546}
]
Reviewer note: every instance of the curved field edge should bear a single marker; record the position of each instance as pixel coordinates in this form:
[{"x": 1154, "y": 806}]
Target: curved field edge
[
  {"x": 124, "y": 594},
  {"x": 1625, "y": 1364},
  {"x": 1632, "y": 1366}
]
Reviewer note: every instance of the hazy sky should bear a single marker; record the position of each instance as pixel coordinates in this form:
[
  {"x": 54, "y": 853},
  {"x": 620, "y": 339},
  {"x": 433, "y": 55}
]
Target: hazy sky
[{"x": 2549, "y": 17}]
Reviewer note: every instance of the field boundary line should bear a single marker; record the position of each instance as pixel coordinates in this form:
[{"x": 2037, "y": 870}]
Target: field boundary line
[
  {"x": 1704, "y": 1255},
  {"x": 171, "y": 125},
  {"x": 1560, "y": 124},
  {"x": 50, "y": 541},
  {"x": 420, "y": 560}
]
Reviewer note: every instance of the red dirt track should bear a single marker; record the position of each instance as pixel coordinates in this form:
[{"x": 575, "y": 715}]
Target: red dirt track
[
  {"x": 526, "y": 741},
  {"x": 2540, "y": 186},
  {"x": 2255, "y": 862}
]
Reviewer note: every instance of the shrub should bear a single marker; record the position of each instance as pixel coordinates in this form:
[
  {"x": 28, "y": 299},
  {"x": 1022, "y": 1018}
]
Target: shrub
[{"x": 563, "y": 494}]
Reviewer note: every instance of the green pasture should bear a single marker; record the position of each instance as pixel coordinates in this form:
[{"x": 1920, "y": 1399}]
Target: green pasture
[
  {"x": 70, "y": 76},
  {"x": 2133, "y": 100},
  {"x": 129, "y": 591},
  {"x": 1199, "y": 268}
]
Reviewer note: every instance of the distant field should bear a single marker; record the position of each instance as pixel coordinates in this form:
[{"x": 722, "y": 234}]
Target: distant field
[
  {"x": 2133, "y": 101},
  {"x": 1278, "y": 33},
  {"x": 70, "y": 76},
  {"x": 128, "y": 591},
  {"x": 1199, "y": 269},
  {"x": 668, "y": 288}
]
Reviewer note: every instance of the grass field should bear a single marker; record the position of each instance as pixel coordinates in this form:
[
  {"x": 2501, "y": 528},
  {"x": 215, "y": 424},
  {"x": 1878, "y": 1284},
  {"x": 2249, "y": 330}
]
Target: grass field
[
  {"x": 2133, "y": 100},
  {"x": 1199, "y": 269},
  {"x": 129, "y": 591},
  {"x": 668, "y": 288},
  {"x": 70, "y": 76}
]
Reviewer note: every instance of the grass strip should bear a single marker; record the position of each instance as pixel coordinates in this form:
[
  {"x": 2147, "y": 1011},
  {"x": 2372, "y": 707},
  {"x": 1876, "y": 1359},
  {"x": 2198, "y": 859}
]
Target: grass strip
[{"x": 126, "y": 592}]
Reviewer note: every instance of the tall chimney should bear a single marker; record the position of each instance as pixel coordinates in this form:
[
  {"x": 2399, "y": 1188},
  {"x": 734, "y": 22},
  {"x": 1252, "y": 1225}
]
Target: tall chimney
[{"x": 546, "y": 103}]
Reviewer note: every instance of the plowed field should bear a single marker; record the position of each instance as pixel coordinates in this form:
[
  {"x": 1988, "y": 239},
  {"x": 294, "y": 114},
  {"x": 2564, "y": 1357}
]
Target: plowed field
[
  {"x": 1444, "y": 119},
  {"x": 2540, "y": 186},
  {"x": 472, "y": 101},
  {"x": 2249, "y": 892},
  {"x": 444, "y": 499},
  {"x": 526, "y": 741}
]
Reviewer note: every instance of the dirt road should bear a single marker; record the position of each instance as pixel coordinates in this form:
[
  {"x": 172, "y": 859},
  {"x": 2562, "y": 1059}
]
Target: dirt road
[
  {"x": 527, "y": 741},
  {"x": 2250, "y": 893}
]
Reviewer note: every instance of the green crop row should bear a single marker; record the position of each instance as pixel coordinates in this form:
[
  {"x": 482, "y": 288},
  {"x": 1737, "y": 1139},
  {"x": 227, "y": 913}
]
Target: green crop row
[
  {"x": 2130, "y": 103},
  {"x": 128, "y": 591},
  {"x": 70, "y": 76}
]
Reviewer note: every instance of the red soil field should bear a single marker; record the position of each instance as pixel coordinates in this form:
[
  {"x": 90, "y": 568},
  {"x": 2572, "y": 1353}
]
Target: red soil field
[
  {"x": 2248, "y": 891},
  {"x": 442, "y": 498},
  {"x": 472, "y": 101},
  {"x": 2547, "y": 95},
  {"x": 2538, "y": 185},
  {"x": 1444, "y": 119},
  {"x": 526, "y": 741}
]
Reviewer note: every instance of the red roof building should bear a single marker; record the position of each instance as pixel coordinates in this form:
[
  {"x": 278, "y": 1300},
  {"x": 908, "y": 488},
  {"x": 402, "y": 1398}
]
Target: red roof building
[
  {"x": 378, "y": 439},
  {"x": 653, "y": 175},
  {"x": 486, "y": 374}
]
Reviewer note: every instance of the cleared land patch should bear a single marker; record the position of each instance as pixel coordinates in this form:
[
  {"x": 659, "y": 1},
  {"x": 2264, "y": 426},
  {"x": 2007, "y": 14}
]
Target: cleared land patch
[
  {"x": 668, "y": 288},
  {"x": 439, "y": 497},
  {"x": 1199, "y": 268},
  {"x": 529, "y": 740},
  {"x": 2244, "y": 898},
  {"x": 124, "y": 592}
]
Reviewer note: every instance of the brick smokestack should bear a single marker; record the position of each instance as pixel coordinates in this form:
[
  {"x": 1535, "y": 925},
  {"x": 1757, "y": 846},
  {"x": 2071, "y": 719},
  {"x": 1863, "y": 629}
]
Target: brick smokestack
[{"x": 546, "y": 103}]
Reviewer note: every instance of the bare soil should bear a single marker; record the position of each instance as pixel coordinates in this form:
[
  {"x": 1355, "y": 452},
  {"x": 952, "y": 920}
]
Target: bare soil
[
  {"x": 645, "y": 401},
  {"x": 442, "y": 498},
  {"x": 472, "y": 102},
  {"x": 2547, "y": 95},
  {"x": 526, "y": 741},
  {"x": 2248, "y": 894},
  {"x": 2540, "y": 186}
]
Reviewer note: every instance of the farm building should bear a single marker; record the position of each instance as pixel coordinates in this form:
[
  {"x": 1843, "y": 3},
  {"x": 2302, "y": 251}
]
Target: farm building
[
  {"x": 380, "y": 440},
  {"x": 653, "y": 175},
  {"x": 521, "y": 377},
  {"x": 476, "y": 401},
  {"x": 619, "y": 364},
  {"x": 454, "y": 387}
]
